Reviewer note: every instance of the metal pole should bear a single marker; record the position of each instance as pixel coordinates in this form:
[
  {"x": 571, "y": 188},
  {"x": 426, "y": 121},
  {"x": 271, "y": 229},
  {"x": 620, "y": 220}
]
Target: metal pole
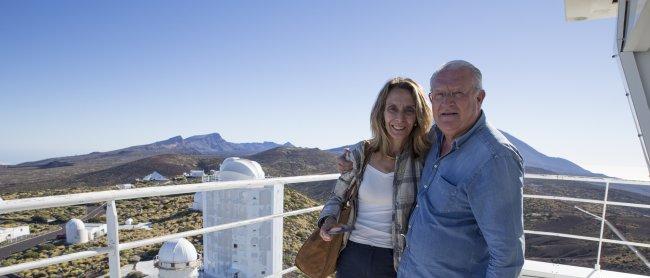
[
  {"x": 113, "y": 240},
  {"x": 602, "y": 227},
  {"x": 277, "y": 227}
]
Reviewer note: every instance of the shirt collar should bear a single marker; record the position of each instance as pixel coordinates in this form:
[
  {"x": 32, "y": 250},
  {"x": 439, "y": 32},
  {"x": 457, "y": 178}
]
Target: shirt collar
[{"x": 463, "y": 138}]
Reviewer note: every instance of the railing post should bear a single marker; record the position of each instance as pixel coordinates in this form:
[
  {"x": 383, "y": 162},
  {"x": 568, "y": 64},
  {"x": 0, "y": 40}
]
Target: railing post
[
  {"x": 278, "y": 226},
  {"x": 113, "y": 240},
  {"x": 602, "y": 227}
]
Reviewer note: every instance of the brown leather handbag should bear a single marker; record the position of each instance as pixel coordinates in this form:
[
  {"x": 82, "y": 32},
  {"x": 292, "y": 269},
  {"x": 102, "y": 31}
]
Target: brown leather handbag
[{"x": 317, "y": 258}]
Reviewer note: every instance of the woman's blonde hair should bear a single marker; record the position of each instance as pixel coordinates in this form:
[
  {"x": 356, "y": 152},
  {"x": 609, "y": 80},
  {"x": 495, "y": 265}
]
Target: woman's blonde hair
[{"x": 418, "y": 140}]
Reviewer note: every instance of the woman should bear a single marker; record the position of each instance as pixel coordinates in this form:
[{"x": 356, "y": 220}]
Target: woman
[{"x": 400, "y": 121}]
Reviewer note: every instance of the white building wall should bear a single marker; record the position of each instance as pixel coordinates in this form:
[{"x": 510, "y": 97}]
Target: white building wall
[
  {"x": 76, "y": 236},
  {"x": 249, "y": 251},
  {"x": 183, "y": 273},
  {"x": 96, "y": 230},
  {"x": 13, "y": 232}
]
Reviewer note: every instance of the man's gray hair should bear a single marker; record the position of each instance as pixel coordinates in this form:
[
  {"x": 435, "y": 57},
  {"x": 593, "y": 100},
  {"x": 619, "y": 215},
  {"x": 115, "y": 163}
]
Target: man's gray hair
[{"x": 460, "y": 64}]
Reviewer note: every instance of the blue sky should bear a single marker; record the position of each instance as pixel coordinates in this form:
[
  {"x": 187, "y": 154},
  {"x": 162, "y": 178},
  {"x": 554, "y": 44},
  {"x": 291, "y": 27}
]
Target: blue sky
[{"x": 83, "y": 76}]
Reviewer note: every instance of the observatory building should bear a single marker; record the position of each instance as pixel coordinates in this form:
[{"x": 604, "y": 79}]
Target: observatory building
[
  {"x": 252, "y": 250},
  {"x": 177, "y": 258},
  {"x": 197, "y": 205},
  {"x": 77, "y": 232},
  {"x": 154, "y": 176},
  {"x": 13, "y": 233}
]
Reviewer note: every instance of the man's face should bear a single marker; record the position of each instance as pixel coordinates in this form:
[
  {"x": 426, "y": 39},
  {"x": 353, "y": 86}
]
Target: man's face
[{"x": 456, "y": 103}]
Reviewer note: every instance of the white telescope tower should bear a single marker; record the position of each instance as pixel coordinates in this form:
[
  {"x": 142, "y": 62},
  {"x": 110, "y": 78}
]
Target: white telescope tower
[{"x": 249, "y": 251}]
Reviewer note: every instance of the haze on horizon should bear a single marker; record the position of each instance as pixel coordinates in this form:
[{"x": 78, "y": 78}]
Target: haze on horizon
[{"x": 79, "y": 77}]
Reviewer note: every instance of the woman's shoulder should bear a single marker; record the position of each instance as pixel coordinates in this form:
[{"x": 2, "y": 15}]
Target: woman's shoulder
[
  {"x": 358, "y": 152},
  {"x": 359, "y": 146}
]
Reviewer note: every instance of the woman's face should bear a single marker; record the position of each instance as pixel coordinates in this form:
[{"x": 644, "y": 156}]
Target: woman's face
[{"x": 399, "y": 115}]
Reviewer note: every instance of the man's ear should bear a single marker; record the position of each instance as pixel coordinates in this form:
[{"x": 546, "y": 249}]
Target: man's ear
[{"x": 480, "y": 96}]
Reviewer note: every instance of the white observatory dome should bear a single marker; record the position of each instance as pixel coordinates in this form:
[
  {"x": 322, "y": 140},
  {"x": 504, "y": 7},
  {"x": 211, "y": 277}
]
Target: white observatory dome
[
  {"x": 177, "y": 251},
  {"x": 235, "y": 168},
  {"x": 75, "y": 232},
  {"x": 177, "y": 258}
]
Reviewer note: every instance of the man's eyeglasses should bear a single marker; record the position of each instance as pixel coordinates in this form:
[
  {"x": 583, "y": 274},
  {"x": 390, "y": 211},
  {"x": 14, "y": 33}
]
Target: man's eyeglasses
[{"x": 439, "y": 97}]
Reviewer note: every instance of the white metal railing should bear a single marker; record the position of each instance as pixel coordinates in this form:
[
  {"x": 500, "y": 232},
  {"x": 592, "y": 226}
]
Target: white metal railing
[
  {"x": 111, "y": 196},
  {"x": 604, "y": 202},
  {"x": 114, "y": 246}
]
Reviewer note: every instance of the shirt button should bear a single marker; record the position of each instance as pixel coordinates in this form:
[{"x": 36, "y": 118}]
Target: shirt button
[
  {"x": 409, "y": 226},
  {"x": 426, "y": 186},
  {"x": 417, "y": 206},
  {"x": 435, "y": 166}
]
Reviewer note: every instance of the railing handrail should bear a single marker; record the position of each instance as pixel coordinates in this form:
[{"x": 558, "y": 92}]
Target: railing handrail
[
  {"x": 144, "y": 242},
  {"x": 8, "y": 206},
  {"x": 586, "y": 179},
  {"x": 590, "y": 201}
]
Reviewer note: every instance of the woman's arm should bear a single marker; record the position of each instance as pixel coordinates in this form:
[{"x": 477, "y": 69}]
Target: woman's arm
[{"x": 332, "y": 207}]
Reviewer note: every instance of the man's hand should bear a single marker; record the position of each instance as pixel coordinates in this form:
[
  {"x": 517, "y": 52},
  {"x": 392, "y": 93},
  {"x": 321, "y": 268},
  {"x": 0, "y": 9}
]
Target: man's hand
[
  {"x": 328, "y": 224},
  {"x": 342, "y": 164}
]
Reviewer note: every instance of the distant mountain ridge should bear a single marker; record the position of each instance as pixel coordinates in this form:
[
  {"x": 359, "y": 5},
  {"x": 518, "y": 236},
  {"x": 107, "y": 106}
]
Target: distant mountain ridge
[
  {"x": 557, "y": 165},
  {"x": 215, "y": 144},
  {"x": 534, "y": 161},
  {"x": 208, "y": 144}
]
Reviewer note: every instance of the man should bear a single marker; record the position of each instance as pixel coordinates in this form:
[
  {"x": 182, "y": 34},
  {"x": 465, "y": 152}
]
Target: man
[{"x": 468, "y": 221}]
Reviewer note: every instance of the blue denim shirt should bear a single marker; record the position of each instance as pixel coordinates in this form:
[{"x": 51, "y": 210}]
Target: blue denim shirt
[{"x": 468, "y": 221}]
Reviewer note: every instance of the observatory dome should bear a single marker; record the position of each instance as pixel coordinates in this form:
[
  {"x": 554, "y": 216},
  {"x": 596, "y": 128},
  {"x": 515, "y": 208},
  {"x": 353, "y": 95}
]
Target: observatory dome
[
  {"x": 235, "y": 168},
  {"x": 177, "y": 251},
  {"x": 75, "y": 232}
]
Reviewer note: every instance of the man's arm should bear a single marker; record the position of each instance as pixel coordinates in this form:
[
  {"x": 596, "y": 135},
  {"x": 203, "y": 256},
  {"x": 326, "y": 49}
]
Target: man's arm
[{"x": 496, "y": 198}]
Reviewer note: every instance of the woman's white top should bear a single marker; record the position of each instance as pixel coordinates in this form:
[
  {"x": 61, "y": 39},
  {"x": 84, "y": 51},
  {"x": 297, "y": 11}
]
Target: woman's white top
[{"x": 375, "y": 209}]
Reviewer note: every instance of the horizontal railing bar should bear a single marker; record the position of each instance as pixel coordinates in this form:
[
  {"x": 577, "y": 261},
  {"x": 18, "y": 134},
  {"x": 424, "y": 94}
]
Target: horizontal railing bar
[
  {"x": 532, "y": 232},
  {"x": 135, "y": 244},
  {"x": 621, "y": 242},
  {"x": 587, "y": 238},
  {"x": 289, "y": 270},
  {"x": 585, "y": 179},
  {"x": 160, "y": 239},
  {"x": 54, "y": 260},
  {"x": 102, "y": 196},
  {"x": 8, "y": 206},
  {"x": 283, "y": 272},
  {"x": 591, "y": 201}
]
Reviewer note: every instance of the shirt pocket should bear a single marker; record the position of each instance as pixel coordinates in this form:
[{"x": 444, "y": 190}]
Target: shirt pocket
[{"x": 448, "y": 199}]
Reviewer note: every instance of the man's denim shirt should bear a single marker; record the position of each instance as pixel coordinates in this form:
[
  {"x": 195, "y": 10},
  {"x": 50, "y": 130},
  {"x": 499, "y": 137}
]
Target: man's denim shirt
[{"x": 468, "y": 221}]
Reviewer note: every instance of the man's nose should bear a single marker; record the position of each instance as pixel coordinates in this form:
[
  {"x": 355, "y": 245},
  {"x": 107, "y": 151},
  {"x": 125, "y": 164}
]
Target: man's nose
[{"x": 448, "y": 99}]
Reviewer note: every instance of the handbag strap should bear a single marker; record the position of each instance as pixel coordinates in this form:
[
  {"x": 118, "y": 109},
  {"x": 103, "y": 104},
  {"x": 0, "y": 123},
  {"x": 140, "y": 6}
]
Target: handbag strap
[{"x": 354, "y": 188}]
